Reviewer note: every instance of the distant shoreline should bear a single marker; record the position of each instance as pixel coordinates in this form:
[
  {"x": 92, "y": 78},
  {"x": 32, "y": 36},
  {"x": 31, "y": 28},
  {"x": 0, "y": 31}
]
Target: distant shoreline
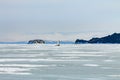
[{"x": 109, "y": 39}]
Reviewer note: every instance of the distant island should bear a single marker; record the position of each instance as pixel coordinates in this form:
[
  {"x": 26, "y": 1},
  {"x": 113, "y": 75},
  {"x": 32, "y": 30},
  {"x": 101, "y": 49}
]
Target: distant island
[
  {"x": 114, "y": 38},
  {"x": 40, "y": 41},
  {"x": 36, "y": 41}
]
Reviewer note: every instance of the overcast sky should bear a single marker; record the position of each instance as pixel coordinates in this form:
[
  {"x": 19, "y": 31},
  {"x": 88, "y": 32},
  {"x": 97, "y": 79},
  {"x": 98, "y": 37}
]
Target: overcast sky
[{"x": 55, "y": 19}]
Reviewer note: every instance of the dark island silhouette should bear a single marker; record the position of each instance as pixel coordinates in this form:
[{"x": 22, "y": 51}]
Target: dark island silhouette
[
  {"x": 114, "y": 38},
  {"x": 36, "y": 41}
]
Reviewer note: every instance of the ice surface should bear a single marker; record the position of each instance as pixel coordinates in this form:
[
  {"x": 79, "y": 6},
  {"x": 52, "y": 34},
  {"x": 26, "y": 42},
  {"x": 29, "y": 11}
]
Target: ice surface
[{"x": 65, "y": 62}]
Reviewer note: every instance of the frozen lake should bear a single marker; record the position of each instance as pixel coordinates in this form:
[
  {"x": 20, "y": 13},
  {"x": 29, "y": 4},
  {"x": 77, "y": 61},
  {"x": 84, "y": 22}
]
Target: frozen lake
[{"x": 65, "y": 62}]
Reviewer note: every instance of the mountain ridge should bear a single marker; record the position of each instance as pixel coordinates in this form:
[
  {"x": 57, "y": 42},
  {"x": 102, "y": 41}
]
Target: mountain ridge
[{"x": 113, "y": 38}]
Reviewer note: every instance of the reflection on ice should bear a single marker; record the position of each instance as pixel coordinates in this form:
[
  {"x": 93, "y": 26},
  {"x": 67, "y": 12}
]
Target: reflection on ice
[
  {"x": 91, "y": 65},
  {"x": 114, "y": 75},
  {"x": 12, "y": 70},
  {"x": 25, "y": 65},
  {"x": 37, "y": 60},
  {"x": 109, "y": 60},
  {"x": 80, "y": 55}
]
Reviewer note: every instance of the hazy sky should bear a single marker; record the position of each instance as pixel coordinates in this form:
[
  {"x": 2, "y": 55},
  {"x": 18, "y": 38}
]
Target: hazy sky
[{"x": 54, "y": 19}]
